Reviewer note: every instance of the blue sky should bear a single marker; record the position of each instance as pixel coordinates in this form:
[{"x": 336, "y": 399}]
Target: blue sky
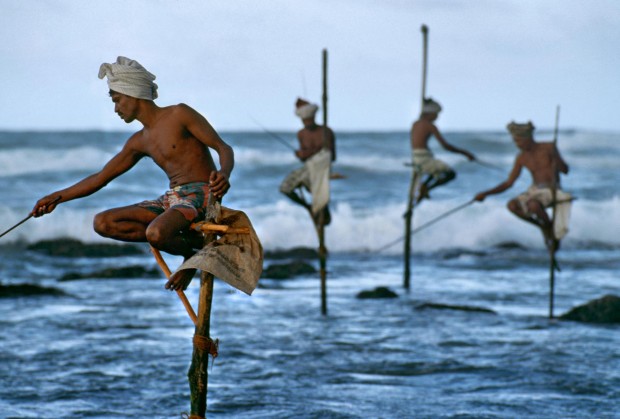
[{"x": 243, "y": 61}]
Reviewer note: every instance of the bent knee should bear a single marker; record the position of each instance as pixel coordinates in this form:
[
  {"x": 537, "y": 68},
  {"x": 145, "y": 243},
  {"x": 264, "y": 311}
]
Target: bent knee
[
  {"x": 155, "y": 236},
  {"x": 513, "y": 206},
  {"x": 102, "y": 224}
]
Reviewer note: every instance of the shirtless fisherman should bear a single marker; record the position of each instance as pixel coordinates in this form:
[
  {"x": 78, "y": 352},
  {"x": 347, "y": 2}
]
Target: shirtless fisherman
[
  {"x": 545, "y": 164},
  {"x": 176, "y": 138},
  {"x": 438, "y": 172},
  {"x": 310, "y": 139}
]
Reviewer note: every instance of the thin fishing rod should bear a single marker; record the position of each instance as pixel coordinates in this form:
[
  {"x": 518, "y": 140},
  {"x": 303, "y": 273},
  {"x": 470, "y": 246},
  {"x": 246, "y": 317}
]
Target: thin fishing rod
[
  {"x": 427, "y": 224},
  {"x": 274, "y": 135},
  {"x": 26, "y": 219},
  {"x": 489, "y": 165}
]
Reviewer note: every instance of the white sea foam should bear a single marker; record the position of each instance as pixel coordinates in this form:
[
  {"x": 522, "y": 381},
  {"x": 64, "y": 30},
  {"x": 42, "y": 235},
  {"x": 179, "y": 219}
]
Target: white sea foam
[
  {"x": 284, "y": 225},
  {"x": 24, "y": 161}
]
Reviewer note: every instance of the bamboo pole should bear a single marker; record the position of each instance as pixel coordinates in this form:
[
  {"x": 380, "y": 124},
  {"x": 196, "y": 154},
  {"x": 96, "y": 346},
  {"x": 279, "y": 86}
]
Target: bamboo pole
[
  {"x": 553, "y": 247},
  {"x": 198, "y": 375},
  {"x": 414, "y": 176},
  {"x": 164, "y": 267},
  {"x": 321, "y": 221}
]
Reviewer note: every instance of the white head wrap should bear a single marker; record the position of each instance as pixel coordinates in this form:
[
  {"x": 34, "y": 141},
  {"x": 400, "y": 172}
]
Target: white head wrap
[
  {"x": 521, "y": 130},
  {"x": 128, "y": 77},
  {"x": 430, "y": 106},
  {"x": 306, "y": 111}
]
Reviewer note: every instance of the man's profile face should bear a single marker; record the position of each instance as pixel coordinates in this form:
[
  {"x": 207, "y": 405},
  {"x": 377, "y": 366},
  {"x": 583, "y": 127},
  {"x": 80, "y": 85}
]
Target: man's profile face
[
  {"x": 124, "y": 106},
  {"x": 522, "y": 142}
]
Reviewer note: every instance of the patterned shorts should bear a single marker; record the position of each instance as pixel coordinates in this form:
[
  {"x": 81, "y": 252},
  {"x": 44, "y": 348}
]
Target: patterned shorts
[{"x": 190, "y": 200}]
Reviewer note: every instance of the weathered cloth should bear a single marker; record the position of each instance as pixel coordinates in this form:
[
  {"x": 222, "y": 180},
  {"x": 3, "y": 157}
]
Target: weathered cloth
[
  {"x": 190, "y": 200},
  {"x": 314, "y": 176},
  {"x": 521, "y": 130},
  {"x": 128, "y": 77},
  {"x": 544, "y": 195},
  {"x": 236, "y": 259},
  {"x": 425, "y": 163}
]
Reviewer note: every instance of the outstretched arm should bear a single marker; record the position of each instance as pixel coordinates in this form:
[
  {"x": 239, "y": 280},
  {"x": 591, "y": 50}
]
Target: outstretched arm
[
  {"x": 449, "y": 146},
  {"x": 512, "y": 177},
  {"x": 118, "y": 165}
]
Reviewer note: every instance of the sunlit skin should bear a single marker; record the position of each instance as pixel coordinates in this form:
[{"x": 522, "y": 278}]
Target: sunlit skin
[
  {"x": 421, "y": 132},
  {"x": 544, "y": 163},
  {"x": 177, "y": 139}
]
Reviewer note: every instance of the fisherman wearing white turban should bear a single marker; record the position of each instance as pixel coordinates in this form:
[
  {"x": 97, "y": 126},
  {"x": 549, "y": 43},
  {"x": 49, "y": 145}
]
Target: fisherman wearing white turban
[
  {"x": 128, "y": 77},
  {"x": 544, "y": 162},
  {"x": 436, "y": 171},
  {"x": 317, "y": 157},
  {"x": 178, "y": 139}
]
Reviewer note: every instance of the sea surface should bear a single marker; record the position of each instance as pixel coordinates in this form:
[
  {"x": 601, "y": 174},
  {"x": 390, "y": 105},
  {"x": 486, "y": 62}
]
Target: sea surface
[{"x": 121, "y": 347}]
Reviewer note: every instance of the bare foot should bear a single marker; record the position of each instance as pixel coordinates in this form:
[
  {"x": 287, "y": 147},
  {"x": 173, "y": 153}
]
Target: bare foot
[
  {"x": 180, "y": 280},
  {"x": 423, "y": 193}
]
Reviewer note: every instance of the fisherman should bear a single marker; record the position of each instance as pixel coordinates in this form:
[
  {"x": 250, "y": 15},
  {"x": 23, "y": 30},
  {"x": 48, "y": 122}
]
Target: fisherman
[
  {"x": 545, "y": 164},
  {"x": 438, "y": 172},
  {"x": 317, "y": 157},
  {"x": 178, "y": 139}
]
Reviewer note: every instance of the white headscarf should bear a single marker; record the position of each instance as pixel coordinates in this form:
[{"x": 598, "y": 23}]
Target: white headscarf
[
  {"x": 128, "y": 77},
  {"x": 430, "y": 106}
]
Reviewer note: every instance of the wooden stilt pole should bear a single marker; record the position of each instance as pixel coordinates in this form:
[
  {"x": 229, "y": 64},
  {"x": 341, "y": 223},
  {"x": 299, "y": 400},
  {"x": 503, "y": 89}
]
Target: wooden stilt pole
[
  {"x": 415, "y": 176},
  {"x": 164, "y": 267},
  {"x": 321, "y": 220},
  {"x": 553, "y": 247},
  {"x": 204, "y": 346},
  {"x": 408, "y": 221}
]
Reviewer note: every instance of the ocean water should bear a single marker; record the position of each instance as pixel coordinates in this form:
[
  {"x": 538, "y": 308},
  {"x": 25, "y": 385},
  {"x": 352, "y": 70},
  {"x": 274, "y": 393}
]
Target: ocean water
[{"x": 121, "y": 347}]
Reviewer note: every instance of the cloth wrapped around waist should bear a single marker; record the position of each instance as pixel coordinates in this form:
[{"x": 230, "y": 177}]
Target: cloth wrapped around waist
[
  {"x": 425, "y": 162},
  {"x": 544, "y": 195}
]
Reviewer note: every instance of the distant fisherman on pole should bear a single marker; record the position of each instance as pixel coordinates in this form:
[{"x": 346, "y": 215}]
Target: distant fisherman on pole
[
  {"x": 315, "y": 174},
  {"x": 178, "y": 140},
  {"x": 544, "y": 162},
  {"x": 437, "y": 172}
]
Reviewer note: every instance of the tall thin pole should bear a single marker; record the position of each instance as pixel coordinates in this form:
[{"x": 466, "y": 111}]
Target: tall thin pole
[
  {"x": 424, "y": 30},
  {"x": 321, "y": 223},
  {"x": 415, "y": 177},
  {"x": 198, "y": 374},
  {"x": 554, "y": 192}
]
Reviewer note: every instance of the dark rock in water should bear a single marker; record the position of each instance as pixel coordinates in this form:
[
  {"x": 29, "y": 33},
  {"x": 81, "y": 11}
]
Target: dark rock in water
[
  {"x": 124, "y": 272},
  {"x": 288, "y": 270},
  {"x": 453, "y": 307},
  {"x": 294, "y": 253},
  {"x": 28, "y": 290},
  {"x": 510, "y": 245},
  {"x": 379, "y": 292},
  {"x": 75, "y": 248},
  {"x": 602, "y": 310}
]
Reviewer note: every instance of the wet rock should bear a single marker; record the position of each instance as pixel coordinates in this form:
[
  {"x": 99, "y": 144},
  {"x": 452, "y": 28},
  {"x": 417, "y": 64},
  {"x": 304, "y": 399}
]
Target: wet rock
[
  {"x": 437, "y": 306},
  {"x": 75, "y": 248},
  {"x": 379, "y": 292},
  {"x": 602, "y": 310},
  {"x": 28, "y": 290},
  {"x": 294, "y": 253},
  {"x": 510, "y": 245},
  {"x": 288, "y": 270},
  {"x": 115, "y": 273}
]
